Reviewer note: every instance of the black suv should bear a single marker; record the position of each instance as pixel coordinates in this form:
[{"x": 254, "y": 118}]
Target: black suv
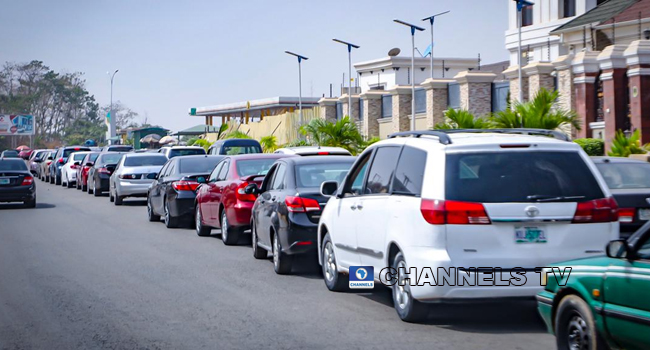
[{"x": 60, "y": 158}]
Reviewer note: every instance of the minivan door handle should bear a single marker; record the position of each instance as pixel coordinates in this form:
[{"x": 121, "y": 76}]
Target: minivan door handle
[
  {"x": 353, "y": 206},
  {"x": 359, "y": 206}
]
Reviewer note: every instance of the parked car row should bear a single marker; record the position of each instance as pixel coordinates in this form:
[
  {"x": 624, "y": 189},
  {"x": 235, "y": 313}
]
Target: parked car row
[{"x": 510, "y": 199}]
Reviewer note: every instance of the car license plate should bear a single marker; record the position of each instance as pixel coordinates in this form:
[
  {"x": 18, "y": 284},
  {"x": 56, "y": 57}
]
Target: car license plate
[
  {"x": 644, "y": 214},
  {"x": 4, "y": 181},
  {"x": 530, "y": 234}
]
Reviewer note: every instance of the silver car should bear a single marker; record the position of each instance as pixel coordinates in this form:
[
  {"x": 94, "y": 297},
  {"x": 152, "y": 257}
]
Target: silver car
[{"x": 133, "y": 174}]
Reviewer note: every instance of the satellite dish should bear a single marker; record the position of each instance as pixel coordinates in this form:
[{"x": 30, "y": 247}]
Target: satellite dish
[{"x": 394, "y": 52}]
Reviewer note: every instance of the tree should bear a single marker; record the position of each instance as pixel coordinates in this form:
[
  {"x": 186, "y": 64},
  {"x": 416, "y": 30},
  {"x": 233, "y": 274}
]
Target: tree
[
  {"x": 124, "y": 116},
  {"x": 462, "y": 119},
  {"x": 343, "y": 133},
  {"x": 540, "y": 113},
  {"x": 269, "y": 143}
]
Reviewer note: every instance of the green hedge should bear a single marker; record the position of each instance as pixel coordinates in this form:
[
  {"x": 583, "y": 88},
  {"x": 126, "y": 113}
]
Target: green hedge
[{"x": 593, "y": 147}]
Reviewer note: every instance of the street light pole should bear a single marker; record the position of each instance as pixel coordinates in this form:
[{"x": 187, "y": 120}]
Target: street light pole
[
  {"x": 431, "y": 19},
  {"x": 300, "y": 58},
  {"x": 413, "y": 29},
  {"x": 350, "y": 46},
  {"x": 111, "y": 126}
]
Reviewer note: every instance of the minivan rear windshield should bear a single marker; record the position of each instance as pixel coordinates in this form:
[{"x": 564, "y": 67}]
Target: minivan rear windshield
[
  {"x": 231, "y": 149},
  {"x": 152, "y": 160},
  {"x": 503, "y": 177}
]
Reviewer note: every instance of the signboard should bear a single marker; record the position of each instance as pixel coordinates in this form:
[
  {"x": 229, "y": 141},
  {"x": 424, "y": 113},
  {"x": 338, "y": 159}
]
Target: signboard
[{"x": 16, "y": 125}]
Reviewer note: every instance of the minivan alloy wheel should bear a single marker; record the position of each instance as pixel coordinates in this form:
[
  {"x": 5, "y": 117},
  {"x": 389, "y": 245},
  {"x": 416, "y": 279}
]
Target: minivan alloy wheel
[
  {"x": 329, "y": 261},
  {"x": 401, "y": 291}
]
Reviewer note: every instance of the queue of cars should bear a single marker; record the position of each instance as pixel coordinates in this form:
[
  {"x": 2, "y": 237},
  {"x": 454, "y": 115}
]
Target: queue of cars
[{"x": 513, "y": 199}]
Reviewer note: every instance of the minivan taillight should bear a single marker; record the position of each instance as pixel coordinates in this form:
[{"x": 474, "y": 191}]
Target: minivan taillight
[
  {"x": 441, "y": 212},
  {"x": 27, "y": 180},
  {"x": 597, "y": 210},
  {"x": 301, "y": 205}
]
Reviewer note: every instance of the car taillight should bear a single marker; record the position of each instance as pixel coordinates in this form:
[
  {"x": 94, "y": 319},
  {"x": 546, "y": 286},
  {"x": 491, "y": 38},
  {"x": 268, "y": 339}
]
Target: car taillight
[
  {"x": 597, "y": 210},
  {"x": 185, "y": 185},
  {"x": 27, "y": 180},
  {"x": 323, "y": 153},
  {"x": 242, "y": 195},
  {"x": 129, "y": 176},
  {"x": 74, "y": 166},
  {"x": 301, "y": 205},
  {"x": 60, "y": 161},
  {"x": 440, "y": 212},
  {"x": 626, "y": 214}
]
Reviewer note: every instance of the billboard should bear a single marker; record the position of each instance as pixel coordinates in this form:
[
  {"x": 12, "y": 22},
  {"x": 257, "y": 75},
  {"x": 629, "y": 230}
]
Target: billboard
[{"x": 16, "y": 125}]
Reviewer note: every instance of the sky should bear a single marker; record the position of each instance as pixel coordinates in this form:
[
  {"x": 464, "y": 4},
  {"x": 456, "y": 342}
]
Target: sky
[{"x": 177, "y": 54}]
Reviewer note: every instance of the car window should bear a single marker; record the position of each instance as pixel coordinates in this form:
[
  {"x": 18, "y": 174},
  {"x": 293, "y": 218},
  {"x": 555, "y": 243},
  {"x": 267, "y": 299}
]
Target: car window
[
  {"x": 11, "y": 164},
  {"x": 233, "y": 150},
  {"x": 382, "y": 170},
  {"x": 625, "y": 175},
  {"x": 171, "y": 170},
  {"x": 254, "y": 166},
  {"x": 223, "y": 174},
  {"x": 313, "y": 175},
  {"x": 268, "y": 179},
  {"x": 355, "y": 182},
  {"x": 93, "y": 156},
  {"x": 409, "y": 173},
  {"x": 185, "y": 152},
  {"x": 215, "y": 173},
  {"x": 78, "y": 157},
  {"x": 67, "y": 152},
  {"x": 110, "y": 158},
  {"x": 644, "y": 249},
  {"x": 200, "y": 165},
  {"x": 278, "y": 179},
  {"x": 151, "y": 160},
  {"x": 163, "y": 171}
]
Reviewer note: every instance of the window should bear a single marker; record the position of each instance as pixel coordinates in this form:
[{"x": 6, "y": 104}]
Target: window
[
  {"x": 278, "y": 179},
  {"x": 409, "y": 173},
  {"x": 313, "y": 175},
  {"x": 625, "y": 175},
  {"x": 223, "y": 174},
  {"x": 215, "y": 172},
  {"x": 386, "y": 106},
  {"x": 644, "y": 250},
  {"x": 163, "y": 171},
  {"x": 186, "y": 152},
  {"x": 151, "y": 160},
  {"x": 568, "y": 8},
  {"x": 11, "y": 164},
  {"x": 503, "y": 177},
  {"x": 420, "y": 101},
  {"x": 355, "y": 184},
  {"x": 527, "y": 16},
  {"x": 254, "y": 166},
  {"x": 109, "y": 158},
  {"x": 201, "y": 165},
  {"x": 382, "y": 170}
]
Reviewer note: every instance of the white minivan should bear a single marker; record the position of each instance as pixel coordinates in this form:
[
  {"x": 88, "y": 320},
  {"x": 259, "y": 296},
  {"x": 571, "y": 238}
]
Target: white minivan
[{"x": 472, "y": 200}]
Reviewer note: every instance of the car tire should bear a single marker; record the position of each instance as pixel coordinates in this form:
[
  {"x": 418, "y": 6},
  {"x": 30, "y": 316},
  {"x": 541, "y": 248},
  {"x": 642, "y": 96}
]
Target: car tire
[
  {"x": 110, "y": 197},
  {"x": 281, "y": 261},
  {"x": 96, "y": 192},
  {"x": 575, "y": 326},
  {"x": 170, "y": 221},
  {"x": 118, "y": 199},
  {"x": 69, "y": 184},
  {"x": 30, "y": 203},
  {"x": 151, "y": 215},
  {"x": 84, "y": 188},
  {"x": 334, "y": 280},
  {"x": 201, "y": 230},
  {"x": 88, "y": 188},
  {"x": 229, "y": 235},
  {"x": 258, "y": 252},
  {"x": 408, "y": 309},
  {"x": 57, "y": 180}
]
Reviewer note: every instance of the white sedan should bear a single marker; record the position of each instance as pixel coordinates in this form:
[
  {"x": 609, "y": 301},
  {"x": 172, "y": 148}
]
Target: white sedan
[
  {"x": 134, "y": 174},
  {"x": 69, "y": 169}
]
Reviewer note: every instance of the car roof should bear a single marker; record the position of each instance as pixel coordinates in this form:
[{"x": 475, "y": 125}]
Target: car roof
[
  {"x": 199, "y": 156},
  {"x": 617, "y": 160},
  {"x": 311, "y": 149},
  {"x": 317, "y": 160},
  {"x": 134, "y": 154},
  {"x": 259, "y": 156}
]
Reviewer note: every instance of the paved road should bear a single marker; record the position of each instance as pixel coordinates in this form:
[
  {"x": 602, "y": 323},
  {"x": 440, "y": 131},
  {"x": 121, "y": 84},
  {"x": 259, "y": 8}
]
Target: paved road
[{"x": 80, "y": 273}]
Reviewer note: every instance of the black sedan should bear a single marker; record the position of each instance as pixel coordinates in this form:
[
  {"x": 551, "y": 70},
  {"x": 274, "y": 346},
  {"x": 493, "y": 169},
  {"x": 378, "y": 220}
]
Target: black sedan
[
  {"x": 173, "y": 191},
  {"x": 629, "y": 181},
  {"x": 285, "y": 216},
  {"x": 100, "y": 173},
  {"x": 16, "y": 182}
]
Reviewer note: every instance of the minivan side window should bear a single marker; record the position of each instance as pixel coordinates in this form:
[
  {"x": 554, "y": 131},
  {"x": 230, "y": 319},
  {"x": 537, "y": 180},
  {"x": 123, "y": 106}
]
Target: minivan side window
[
  {"x": 409, "y": 173},
  {"x": 354, "y": 184},
  {"x": 382, "y": 170}
]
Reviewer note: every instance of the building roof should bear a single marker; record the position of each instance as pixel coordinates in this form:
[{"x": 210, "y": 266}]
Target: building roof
[
  {"x": 631, "y": 13},
  {"x": 404, "y": 61},
  {"x": 252, "y": 105},
  {"x": 598, "y": 15},
  {"x": 197, "y": 130}
]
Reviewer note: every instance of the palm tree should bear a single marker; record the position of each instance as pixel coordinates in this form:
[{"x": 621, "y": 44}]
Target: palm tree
[
  {"x": 269, "y": 143},
  {"x": 344, "y": 133},
  {"x": 237, "y": 135},
  {"x": 462, "y": 119},
  {"x": 313, "y": 131},
  {"x": 538, "y": 114}
]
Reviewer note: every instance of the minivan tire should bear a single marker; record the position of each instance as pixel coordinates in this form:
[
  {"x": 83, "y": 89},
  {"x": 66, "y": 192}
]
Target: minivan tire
[
  {"x": 408, "y": 309},
  {"x": 334, "y": 280}
]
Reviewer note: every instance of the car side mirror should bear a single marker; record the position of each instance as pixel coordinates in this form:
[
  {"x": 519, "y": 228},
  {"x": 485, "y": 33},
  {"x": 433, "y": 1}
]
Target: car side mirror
[
  {"x": 619, "y": 249},
  {"x": 89, "y": 164},
  {"x": 110, "y": 168},
  {"x": 251, "y": 189},
  {"x": 201, "y": 180},
  {"x": 37, "y": 160},
  {"x": 50, "y": 158},
  {"x": 328, "y": 188},
  {"x": 77, "y": 163}
]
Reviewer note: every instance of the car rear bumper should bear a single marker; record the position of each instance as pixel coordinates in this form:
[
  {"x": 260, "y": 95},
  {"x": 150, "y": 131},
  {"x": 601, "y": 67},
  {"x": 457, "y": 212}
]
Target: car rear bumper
[
  {"x": 182, "y": 205},
  {"x": 301, "y": 235},
  {"x": 17, "y": 193},
  {"x": 132, "y": 189},
  {"x": 240, "y": 214}
]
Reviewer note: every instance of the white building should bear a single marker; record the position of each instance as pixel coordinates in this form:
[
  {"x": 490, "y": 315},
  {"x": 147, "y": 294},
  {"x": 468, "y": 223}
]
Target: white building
[{"x": 538, "y": 21}]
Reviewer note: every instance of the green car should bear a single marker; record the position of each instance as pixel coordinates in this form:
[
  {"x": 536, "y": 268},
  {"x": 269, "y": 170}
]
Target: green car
[{"x": 604, "y": 301}]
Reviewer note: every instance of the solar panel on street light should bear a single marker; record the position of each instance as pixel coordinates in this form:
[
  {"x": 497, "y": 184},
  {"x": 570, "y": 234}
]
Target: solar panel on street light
[{"x": 408, "y": 25}]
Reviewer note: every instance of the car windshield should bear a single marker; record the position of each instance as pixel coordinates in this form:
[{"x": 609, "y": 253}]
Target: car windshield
[
  {"x": 120, "y": 148},
  {"x": 151, "y": 160},
  {"x": 68, "y": 151},
  {"x": 625, "y": 175},
  {"x": 10, "y": 164},
  {"x": 202, "y": 165},
  {"x": 78, "y": 156},
  {"x": 493, "y": 177},
  {"x": 249, "y": 167},
  {"x": 10, "y": 154},
  {"x": 313, "y": 175},
  {"x": 109, "y": 158},
  {"x": 93, "y": 157},
  {"x": 233, "y": 150},
  {"x": 186, "y": 152}
]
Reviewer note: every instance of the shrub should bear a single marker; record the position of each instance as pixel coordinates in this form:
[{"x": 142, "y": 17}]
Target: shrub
[
  {"x": 202, "y": 143},
  {"x": 623, "y": 146},
  {"x": 593, "y": 147}
]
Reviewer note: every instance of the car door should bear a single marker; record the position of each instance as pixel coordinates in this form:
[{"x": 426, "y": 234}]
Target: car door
[
  {"x": 209, "y": 199},
  {"x": 373, "y": 207},
  {"x": 343, "y": 228},
  {"x": 155, "y": 193},
  {"x": 275, "y": 194},
  {"x": 220, "y": 190},
  {"x": 262, "y": 218},
  {"x": 165, "y": 184},
  {"x": 627, "y": 304}
]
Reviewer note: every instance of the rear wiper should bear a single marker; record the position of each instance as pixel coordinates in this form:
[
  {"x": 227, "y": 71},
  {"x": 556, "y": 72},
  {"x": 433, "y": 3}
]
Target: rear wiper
[{"x": 549, "y": 198}]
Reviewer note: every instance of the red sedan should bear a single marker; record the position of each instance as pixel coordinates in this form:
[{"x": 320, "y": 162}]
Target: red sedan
[
  {"x": 221, "y": 200},
  {"x": 82, "y": 170}
]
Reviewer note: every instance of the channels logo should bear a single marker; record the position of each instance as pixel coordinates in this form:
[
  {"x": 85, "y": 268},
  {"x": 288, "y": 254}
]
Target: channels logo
[{"x": 362, "y": 277}]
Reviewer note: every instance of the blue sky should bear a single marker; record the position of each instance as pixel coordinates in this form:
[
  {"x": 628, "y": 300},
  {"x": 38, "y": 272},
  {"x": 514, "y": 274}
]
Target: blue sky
[{"x": 173, "y": 55}]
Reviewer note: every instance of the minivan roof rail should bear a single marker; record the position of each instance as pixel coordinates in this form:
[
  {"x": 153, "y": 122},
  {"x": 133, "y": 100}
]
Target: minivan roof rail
[
  {"x": 522, "y": 131},
  {"x": 443, "y": 138}
]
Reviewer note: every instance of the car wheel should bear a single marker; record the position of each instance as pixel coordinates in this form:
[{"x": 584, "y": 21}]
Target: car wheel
[
  {"x": 281, "y": 261},
  {"x": 170, "y": 221},
  {"x": 575, "y": 327},
  {"x": 96, "y": 191},
  {"x": 118, "y": 199},
  {"x": 229, "y": 235},
  {"x": 57, "y": 180},
  {"x": 408, "y": 309},
  {"x": 258, "y": 253},
  {"x": 30, "y": 203},
  {"x": 110, "y": 197},
  {"x": 69, "y": 184},
  {"x": 150, "y": 213},
  {"x": 51, "y": 179},
  {"x": 201, "y": 230},
  {"x": 334, "y": 280}
]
